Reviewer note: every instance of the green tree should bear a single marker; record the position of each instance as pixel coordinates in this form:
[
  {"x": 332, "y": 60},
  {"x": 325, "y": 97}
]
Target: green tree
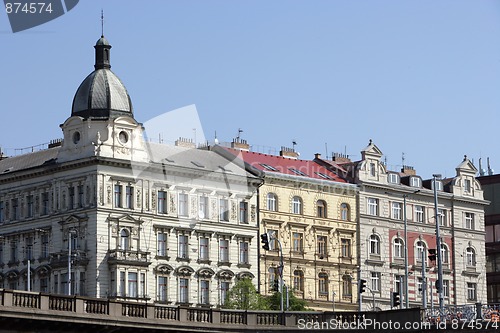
[
  {"x": 295, "y": 304},
  {"x": 244, "y": 296}
]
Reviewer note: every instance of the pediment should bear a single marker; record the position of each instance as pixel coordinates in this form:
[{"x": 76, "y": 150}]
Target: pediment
[
  {"x": 371, "y": 150},
  {"x": 466, "y": 166}
]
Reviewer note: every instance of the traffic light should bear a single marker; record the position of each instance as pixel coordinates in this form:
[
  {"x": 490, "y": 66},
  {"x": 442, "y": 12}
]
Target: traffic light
[
  {"x": 362, "y": 286},
  {"x": 432, "y": 254},
  {"x": 264, "y": 239},
  {"x": 395, "y": 300},
  {"x": 437, "y": 285}
]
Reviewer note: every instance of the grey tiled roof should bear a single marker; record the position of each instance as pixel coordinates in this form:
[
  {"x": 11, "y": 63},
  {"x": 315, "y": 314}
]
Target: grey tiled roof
[{"x": 27, "y": 161}]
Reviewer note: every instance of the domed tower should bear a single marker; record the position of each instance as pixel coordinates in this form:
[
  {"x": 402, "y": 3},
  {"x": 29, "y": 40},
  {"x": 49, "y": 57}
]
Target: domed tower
[{"x": 102, "y": 121}]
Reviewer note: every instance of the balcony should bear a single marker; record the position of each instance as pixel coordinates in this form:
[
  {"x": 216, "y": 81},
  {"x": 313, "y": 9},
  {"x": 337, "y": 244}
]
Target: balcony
[
  {"x": 60, "y": 259},
  {"x": 127, "y": 257}
]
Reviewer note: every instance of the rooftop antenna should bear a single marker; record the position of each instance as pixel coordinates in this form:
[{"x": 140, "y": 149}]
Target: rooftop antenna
[
  {"x": 490, "y": 170},
  {"x": 102, "y": 23},
  {"x": 403, "y": 159},
  {"x": 326, "y": 150},
  {"x": 239, "y": 132},
  {"x": 216, "y": 141},
  {"x": 294, "y": 143}
]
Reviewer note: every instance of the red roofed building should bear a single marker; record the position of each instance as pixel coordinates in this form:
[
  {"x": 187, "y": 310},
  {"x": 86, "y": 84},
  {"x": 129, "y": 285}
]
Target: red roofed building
[{"x": 311, "y": 210}]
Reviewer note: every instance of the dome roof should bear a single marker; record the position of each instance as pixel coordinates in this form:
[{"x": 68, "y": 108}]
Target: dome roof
[{"x": 102, "y": 95}]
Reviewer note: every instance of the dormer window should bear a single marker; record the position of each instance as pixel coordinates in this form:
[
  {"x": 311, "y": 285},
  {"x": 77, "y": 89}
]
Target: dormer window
[
  {"x": 467, "y": 186},
  {"x": 372, "y": 169},
  {"x": 439, "y": 185},
  {"x": 393, "y": 178},
  {"x": 415, "y": 182}
]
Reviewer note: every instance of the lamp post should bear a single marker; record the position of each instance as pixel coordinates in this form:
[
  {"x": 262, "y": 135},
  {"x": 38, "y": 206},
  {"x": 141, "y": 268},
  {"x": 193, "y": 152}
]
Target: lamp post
[
  {"x": 438, "y": 246},
  {"x": 71, "y": 232},
  {"x": 406, "y": 252}
]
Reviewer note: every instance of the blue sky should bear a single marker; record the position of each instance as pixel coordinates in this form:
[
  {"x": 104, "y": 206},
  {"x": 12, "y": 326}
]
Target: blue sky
[{"x": 418, "y": 77}]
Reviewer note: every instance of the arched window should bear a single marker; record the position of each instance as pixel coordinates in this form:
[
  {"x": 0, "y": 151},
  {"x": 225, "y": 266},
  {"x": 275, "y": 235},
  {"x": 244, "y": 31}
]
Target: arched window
[
  {"x": 272, "y": 201},
  {"x": 444, "y": 254},
  {"x": 420, "y": 250},
  {"x": 398, "y": 248},
  {"x": 374, "y": 245},
  {"x": 470, "y": 257},
  {"x": 124, "y": 239},
  {"x": 321, "y": 208},
  {"x": 296, "y": 205},
  {"x": 345, "y": 212},
  {"x": 323, "y": 284},
  {"x": 298, "y": 280}
]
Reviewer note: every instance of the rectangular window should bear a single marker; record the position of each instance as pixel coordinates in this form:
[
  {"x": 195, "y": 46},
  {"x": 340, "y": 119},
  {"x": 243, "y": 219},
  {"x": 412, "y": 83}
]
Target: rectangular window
[
  {"x": 45, "y": 245},
  {"x": 142, "y": 290},
  {"x": 205, "y": 292},
  {"x": 345, "y": 248},
  {"x": 419, "y": 286},
  {"x": 183, "y": 290},
  {"x": 398, "y": 283},
  {"x": 162, "y": 289},
  {"x": 81, "y": 200},
  {"x": 224, "y": 210},
  {"x": 183, "y": 204},
  {"x": 1, "y": 254},
  {"x": 373, "y": 170},
  {"x": 243, "y": 212},
  {"x": 273, "y": 241},
  {"x": 347, "y": 286},
  {"x": 132, "y": 284},
  {"x": 204, "y": 207},
  {"x": 372, "y": 206},
  {"x": 224, "y": 250},
  {"x": 243, "y": 252},
  {"x": 446, "y": 288},
  {"x": 64, "y": 283},
  {"x": 162, "y": 202},
  {"x": 471, "y": 291},
  {"x": 30, "y": 209},
  {"x": 396, "y": 210},
  {"x": 419, "y": 214},
  {"x": 45, "y": 203},
  {"x": 183, "y": 247},
  {"x": 204, "y": 241},
  {"x": 162, "y": 244},
  {"x": 467, "y": 186},
  {"x": 129, "y": 197},
  {"x": 13, "y": 251},
  {"x": 442, "y": 217},
  {"x": 122, "y": 284},
  {"x": 2, "y": 212},
  {"x": 44, "y": 284},
  {"x": 297, "y": 244},
  {"x": 323, "y": 284},
  {"x": 224, "y": 289},
  {"x": 118, "y": 196},
  {"x": 15, "y": 209},
  {"x": 322, "y": 241},
  {"x": 71, "y": 197},
  {"x": 375, "y": 281},
  {"x": 415, "y": 182},
  {"x": 393, "y": 178},
  {"x": 29, "y": 248},
  {"x": 469, "y": 221}
]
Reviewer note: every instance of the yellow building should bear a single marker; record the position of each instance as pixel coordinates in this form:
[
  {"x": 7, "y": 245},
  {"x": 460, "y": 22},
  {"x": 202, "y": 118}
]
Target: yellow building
[{"x": 312, "y": 211}]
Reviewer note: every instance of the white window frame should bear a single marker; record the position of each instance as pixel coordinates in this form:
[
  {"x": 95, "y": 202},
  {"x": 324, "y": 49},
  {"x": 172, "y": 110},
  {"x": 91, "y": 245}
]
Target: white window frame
[
  {"x": 396, "y": 210},
  {"x": 271, "y": 202},
  {"x": 374, "y": 245},
  {"x": 419, "y": 214},
  {"x": 372, "y": 206},
  {"x": 296, "y": 205},
  {"x": 398, "y": 248},
  {"x": 469, "y": 220},
  {"x": 183, "y": 247},
  {"x": 183, "y": 204},
  {"x": 375, "y": 281}
]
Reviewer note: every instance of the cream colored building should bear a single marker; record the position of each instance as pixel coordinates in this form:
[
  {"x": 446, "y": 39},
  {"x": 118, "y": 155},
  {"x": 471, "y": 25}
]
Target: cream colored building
[
  {"x": 313, "y": 213},
  {"x": 105, "y": 214}
]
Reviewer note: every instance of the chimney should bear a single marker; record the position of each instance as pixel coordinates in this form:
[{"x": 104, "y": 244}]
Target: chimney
[
  {"x": 240, "y": 144},
  {"x": 55, "y": 143},
  {"x": 289, "y": 153},
  {"x": 408, "y": 170},
  {"x": 184, "y": 142},
  {"x": 317, "y": 156},
  {"x": 340, "y": 158}
]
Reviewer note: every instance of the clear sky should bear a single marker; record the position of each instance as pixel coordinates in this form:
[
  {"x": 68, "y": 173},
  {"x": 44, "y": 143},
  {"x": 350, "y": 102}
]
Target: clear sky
[{"x": 418, "y": 77}]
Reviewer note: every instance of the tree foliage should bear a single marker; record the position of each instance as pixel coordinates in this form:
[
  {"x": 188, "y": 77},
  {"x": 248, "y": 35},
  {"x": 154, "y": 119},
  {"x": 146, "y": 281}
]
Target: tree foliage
[
  {"x": 244, "y": 296},
  {"x": 295, "y": 304}
]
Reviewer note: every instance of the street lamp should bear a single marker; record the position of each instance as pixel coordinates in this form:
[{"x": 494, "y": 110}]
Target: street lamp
[
  {"x": 71, "y": 232},
  {"x": 435, "y": 177}
]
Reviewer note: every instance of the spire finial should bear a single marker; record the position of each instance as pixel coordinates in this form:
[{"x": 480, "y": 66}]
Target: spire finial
[{"x": 102, "y": 23}]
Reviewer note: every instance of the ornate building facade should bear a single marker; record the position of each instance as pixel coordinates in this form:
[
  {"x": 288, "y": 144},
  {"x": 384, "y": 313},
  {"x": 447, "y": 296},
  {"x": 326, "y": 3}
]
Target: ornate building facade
[
  {"x": 381, "y": 242},
  {"x": 103, "y": 213},
  {"x": 313, "y": 212}
]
